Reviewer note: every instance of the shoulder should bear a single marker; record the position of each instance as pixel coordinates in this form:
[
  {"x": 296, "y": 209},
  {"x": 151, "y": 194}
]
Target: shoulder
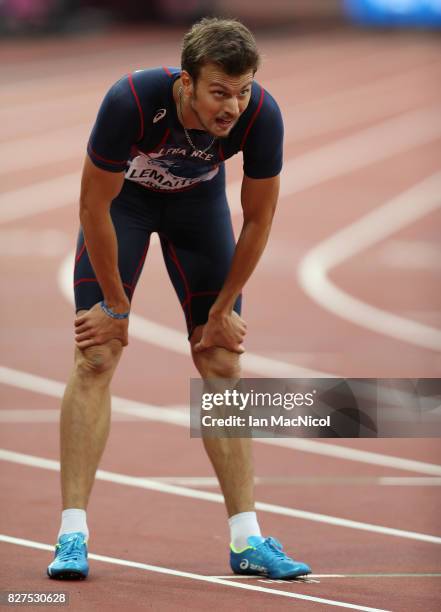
[
  {"x": 141, "y": 84},
  {"x": 266, "y": 109},
  {"x": 153, "y": 79},
  {"x": 263, "y": 119},
  {"x": 262, "y": 142}
]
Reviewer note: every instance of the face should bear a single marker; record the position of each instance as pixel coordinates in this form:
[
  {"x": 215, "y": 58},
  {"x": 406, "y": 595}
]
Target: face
[{"x": 218, "y": 99}]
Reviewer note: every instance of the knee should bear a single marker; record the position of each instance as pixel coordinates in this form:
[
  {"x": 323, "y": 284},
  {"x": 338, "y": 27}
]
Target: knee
[
  {"x": 99, "y": 360},
  {"x": 218, "y": 363}
]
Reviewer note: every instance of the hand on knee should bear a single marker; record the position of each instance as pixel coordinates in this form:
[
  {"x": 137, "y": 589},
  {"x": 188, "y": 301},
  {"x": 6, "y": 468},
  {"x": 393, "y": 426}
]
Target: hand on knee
[
  {"x": 98, "y": 360},
  {"x": 218, "y": 363}
]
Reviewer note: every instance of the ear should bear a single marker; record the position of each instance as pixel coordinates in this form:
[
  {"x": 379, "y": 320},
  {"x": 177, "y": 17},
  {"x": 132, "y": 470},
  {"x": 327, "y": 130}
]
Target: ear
[{"x": 187, "y": 83}]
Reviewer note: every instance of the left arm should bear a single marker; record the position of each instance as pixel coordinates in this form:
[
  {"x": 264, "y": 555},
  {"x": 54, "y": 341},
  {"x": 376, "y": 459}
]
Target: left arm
[{"x": 259, "y": 199}]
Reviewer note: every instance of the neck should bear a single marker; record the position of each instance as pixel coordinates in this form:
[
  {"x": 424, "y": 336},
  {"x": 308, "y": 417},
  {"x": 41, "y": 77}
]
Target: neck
[{"x": 186, "y": 114}]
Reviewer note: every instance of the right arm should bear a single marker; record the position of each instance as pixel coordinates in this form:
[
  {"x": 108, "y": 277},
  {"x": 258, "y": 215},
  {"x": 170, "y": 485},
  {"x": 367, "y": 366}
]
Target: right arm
[
  {"x": 117, "y": 127},
  {"x": 98, "y": 189}
]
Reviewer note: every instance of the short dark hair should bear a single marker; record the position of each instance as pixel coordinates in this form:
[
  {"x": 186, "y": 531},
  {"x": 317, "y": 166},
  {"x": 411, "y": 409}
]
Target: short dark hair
[{"x": 225, "y": 42}]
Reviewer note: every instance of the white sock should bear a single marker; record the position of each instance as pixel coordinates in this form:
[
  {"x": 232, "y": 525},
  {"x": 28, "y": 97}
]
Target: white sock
[
  {"x": 73, "y": 519},
  {"x": 242, "y": 526}
]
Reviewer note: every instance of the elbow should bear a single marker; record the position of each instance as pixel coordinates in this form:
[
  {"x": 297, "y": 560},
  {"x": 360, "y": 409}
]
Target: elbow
[
  {"x": 261, "y": 228},
  {"x": 262, "y": 219},
  {"x": 83, "y": 210},
  {"x": 93, "y": 211}
]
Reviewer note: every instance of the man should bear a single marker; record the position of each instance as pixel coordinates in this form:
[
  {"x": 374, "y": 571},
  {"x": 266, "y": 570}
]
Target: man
[{"x": 156, "y": 164}]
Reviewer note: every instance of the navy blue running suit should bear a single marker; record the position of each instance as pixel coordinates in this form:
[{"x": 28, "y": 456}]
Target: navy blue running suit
[{"x": 173, "y": 190}]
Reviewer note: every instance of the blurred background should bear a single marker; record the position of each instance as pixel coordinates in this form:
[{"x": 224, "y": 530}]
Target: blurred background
[{"x": 45, "y": 16}]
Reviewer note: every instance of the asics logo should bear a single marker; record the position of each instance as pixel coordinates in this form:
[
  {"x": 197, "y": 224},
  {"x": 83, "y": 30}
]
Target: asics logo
[
  {"x": 245, "y": 564},
  {"x": 159, "y": 115}
]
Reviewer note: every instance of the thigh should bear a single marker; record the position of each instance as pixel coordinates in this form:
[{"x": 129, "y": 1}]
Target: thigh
[
  {"x": 134, "y": 220},
  {"x": 198, "y": 245}
]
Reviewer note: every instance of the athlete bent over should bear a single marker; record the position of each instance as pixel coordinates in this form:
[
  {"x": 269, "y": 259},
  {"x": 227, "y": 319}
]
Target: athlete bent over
[{"x": 155, "y": 163}]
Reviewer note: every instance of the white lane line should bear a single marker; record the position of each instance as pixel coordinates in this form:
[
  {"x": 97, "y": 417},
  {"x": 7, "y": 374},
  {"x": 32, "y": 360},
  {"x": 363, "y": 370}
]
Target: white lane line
[
  {"x": 96, "y": 74},
  {"x": 363, "y": 148},
  {"x": 347, "y": 108},
  {"x": 54, "y": 388},
  {"x": 408, "y": 575},
  {"x": 392, "y": 575},
  {"x": 327, "y": 449},
  {"x": 313, "y": 270},
  {"x": 399, "y": 481},
  {"x": 200, "y": 577},
  {"x": 44, "y": 115},
  {"x": 179, "y": 417},
  {"x": 27, "y": 242},
  {"x": 161, "y": 487},
  {"x": 29, "y": 152},
  {"x": 40, "y": 197},
  {"x": 46, "y": 415}
]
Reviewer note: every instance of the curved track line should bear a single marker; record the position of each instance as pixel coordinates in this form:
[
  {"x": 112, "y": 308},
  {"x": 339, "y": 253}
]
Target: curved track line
[
  {"x": 313, "y": 270},
  {"x": 173, "y": 416},
  {"x": 180, "y": 574},
  {"x": 162, "y": 487}
]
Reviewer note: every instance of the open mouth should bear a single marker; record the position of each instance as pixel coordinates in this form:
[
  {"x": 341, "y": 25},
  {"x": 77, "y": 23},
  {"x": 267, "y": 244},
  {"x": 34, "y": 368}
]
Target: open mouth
[{"x": 224, "y": 123}]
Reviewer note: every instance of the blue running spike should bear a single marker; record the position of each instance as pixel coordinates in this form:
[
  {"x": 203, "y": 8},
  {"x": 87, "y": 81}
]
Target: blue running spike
[
  {"x": 70, "y": 560},
  {"x": 265, "y": 557}
]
